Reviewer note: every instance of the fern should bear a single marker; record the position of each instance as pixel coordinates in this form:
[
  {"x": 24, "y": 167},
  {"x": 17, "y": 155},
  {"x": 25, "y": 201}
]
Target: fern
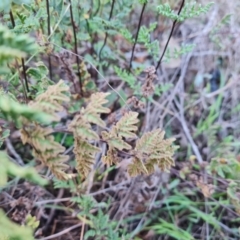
[
  {"x": 51, "y": 100},
  {"x": 45, "y": 148},
  {"x": 81, "y": 128},
  {"x": 11, "y": 110},
  {"x": 12, "y": 45},
  {"x": 191, "y": 9},
  {"x": 152, "y": 150},
  {"x": 125, "y": 127}
]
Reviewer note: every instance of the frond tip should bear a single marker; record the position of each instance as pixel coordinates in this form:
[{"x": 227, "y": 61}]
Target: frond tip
[{"x": 125, "y": 127}]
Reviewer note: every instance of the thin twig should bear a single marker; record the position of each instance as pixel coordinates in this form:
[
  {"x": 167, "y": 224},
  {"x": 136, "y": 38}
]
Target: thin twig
[
  {"x": 13, "y": 152},
  {"x": 170, "y": 35},
  {"x": 25, "y": 88},
  {"x": 82, "y": 231},
  {"x": 106, "y": 36},
  {"x": 62, "y": 232},
  {"x": 76, "y": 48},
  {"x": 138, "y": 29}
]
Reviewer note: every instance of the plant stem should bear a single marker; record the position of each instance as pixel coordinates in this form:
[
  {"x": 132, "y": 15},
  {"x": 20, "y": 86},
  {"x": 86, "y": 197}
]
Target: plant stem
[
  {"x": 170, "y": 35},
  {"x": 135, "y": 42},
  {"x": 25, "y": 88},
  {"x": 75, "y": 47}
]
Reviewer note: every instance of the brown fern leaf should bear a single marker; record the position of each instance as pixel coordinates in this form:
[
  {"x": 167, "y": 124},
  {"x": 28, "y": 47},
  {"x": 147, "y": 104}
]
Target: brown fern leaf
[
  {"x": 152, "y": 150},
  {"x": 85, "y": 156},
  {"x": 55, "y": 162},
  {"x": 46, "y": 149},
  {"x": 82, "y": 131},
  {"x": 124, "y": 128},
  {"x": 136, "y": 168},
  {"x": 115, "y": 141},
  {"x": 111, "y": 157},
  {"x": 40, "y": 139},
  {"x": 92, "y": 112},
  {"x": 51, "y": 101},
  {"x": 127, "y": 125}
]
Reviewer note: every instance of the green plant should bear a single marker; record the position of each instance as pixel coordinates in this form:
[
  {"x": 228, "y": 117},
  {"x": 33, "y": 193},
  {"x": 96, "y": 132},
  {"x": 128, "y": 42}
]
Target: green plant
[{"x": 54, "y": 96}]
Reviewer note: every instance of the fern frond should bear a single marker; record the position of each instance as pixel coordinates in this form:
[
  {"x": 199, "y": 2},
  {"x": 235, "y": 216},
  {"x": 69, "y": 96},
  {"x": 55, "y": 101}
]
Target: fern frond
[
  {"x": 45, "y": 149},
  {"x": 14, "y": 111},
  {"x": 111, "y": 157},
  {"x": 115, "y": 141},
  {"x": 51, "y": 101},
  {"x": 92, "y": 112},
  {"x": 14, "y": 46},
  {"x": 85, "y": 156},
  {"x": 152, "y": 150},
  {"x": 82, "y": 132},
  {"x": 147, "y": 143},
  {"x": 82, "y": 129},
  {"x": 127, "y": 125},
  {"x": 8, "y": 168},
  {"x": 136, "y": 168}
]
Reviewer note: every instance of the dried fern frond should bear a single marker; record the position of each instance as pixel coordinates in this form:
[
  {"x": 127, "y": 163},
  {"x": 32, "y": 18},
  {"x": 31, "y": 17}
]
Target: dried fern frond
[
  {"x": 136, "y": 168},
  {"x": 45, "y": 149},
  {"x": 125, "y": 127},
  {"x": 51, "y": 101},
  {"x": 85, "y": 155},
  {"x": 92, "y": 112},
  {"x": 14, "y": 111},
  {"x": 82, "y": 129},
  {"x": 111, "y": 157},
  {"x": 82, "y": 132},
  {"x": 152, "y": 150},
  {"x": 115, "y": 141}
]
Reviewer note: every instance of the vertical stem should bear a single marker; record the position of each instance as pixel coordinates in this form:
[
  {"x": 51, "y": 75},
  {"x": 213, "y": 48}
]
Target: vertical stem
[
  {"x": 25, "y": 88},
  {"x": 75, "y": 47},
  {"x": 170, "y": 35},
  {"x": 49, "y": 32},
  {"x": 106, "y": 36},
  {"x": 24, "y": 74},
  {"x": 135, "y": 42}
]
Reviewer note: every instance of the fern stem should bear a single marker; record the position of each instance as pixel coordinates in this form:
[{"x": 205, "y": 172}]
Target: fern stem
[
  {"x": 135, "y": 42},
  {"x": 25, "y": 88},
  {"x": 24, "y": 74},
  {"x": 75, "y": 48},
  {"x": 106, "y": 36},
  {"x": 49, "y": 33},
  {"x": 170, "y": 35}
]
